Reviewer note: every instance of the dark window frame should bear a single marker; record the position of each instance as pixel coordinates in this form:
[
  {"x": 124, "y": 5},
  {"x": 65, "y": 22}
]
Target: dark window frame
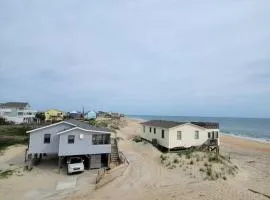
[
  {"x": 150, "y": 129},
  {"x": 197, "y": 135},
  {"x": 47, "y": 138},
  {"x": 179, "y": 133},
  {"x": 154, "y": 130},
  {"x": 209, "y": 135},
  {"x": 162, "y": 133},
  {"x": 71, "y": 139},
  {"x": 100, "y": 139}
]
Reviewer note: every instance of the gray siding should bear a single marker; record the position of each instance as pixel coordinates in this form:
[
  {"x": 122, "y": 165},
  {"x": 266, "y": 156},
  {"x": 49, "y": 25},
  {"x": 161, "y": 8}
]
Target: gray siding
[
  {"x": 81, "y": 146},
  {"x": 36, "y": 143}
]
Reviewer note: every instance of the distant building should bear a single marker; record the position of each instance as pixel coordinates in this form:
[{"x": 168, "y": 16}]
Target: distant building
[
  {"x": 171, "y": 134},
  {"x": 54, "y": 115},
  {"x": 75, "y": 115},
  {"x": 90, "y": 115},
  {"x": 17, "y": 112}
]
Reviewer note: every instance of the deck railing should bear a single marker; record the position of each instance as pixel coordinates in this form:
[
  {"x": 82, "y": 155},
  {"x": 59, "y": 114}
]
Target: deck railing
[
  {"x": 123, "y": 158},
  {"x": 213, "y": 142}
]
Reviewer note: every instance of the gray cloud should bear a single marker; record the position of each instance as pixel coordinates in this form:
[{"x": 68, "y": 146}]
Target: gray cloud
[{"x": 150, "y": 57}]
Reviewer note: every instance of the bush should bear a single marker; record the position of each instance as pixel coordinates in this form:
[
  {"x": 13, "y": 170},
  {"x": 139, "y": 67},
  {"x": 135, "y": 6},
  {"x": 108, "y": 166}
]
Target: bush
[
  {"x": 202, "y": 170},
  {"x": 6, "y": 173},
  {"x": 137, "y": 139},
  {"x": 102, "y": 124},
  {"x": 163, "y": 157},
  {"x": 92, "y": 122},
  {"x": 115, "y": 127},
  {"x": 224, "y": 178},
  {"x": 209, "y": 171},
  {"x": 175, "y": 161},
  {"x": 191, "y": 162}
]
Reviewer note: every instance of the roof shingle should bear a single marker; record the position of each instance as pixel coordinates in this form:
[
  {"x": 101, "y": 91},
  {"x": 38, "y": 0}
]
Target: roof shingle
[
  {"x": 86, "y": 126},
  {"x": 171, "y": 124}
]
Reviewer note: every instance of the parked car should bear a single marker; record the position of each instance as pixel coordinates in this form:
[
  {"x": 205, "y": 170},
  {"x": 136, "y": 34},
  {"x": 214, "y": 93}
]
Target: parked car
[{"x": 75, "y": 164}]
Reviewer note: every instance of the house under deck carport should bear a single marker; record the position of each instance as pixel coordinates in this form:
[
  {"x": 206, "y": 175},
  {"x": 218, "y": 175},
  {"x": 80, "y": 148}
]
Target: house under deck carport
[{"x": 71, "y": 138}]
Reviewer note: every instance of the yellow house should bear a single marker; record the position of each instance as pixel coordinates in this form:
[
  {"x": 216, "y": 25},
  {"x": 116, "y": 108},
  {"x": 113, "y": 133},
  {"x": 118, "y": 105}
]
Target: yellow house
[{"x": 54, "y": 115}]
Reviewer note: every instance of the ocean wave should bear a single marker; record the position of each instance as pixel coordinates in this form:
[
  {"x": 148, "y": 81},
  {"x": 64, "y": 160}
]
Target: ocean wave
[{"x": 241, "y": 136}]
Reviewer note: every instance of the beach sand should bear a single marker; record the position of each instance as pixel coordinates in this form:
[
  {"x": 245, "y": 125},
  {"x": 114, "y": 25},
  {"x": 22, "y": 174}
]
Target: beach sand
[{"x": 146, "y": 178}]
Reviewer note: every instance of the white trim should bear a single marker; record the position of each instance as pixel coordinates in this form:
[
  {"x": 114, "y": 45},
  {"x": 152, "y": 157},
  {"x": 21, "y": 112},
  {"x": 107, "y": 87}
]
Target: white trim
[
  {"x": 82, "y": 130},
  {"x": 49, "y": 126}
]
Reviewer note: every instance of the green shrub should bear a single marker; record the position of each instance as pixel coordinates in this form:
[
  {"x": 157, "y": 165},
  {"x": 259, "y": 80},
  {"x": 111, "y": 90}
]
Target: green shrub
[
  {"x": 175, "y": 161},
  {"x": 6, "y": 173},
  {"x": 191, "y": 162},
  {"x": 163, "y": 157},
  {"x": 224, "y": 178},
  {"x": 137, "y": 139}
]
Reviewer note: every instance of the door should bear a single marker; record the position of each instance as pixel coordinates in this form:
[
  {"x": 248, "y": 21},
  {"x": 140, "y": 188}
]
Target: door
[{"x": 95, "y": 161}]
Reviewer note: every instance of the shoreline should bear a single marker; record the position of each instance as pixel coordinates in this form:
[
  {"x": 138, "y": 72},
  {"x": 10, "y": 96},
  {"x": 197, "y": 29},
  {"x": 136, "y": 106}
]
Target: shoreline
[{"x": 243, "y": 137}]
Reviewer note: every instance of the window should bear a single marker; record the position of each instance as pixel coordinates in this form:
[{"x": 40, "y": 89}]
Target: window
[
  {"x": 154, "y": 130},
  {"x": 196, "y": 135},
  {"x": 47, "y": 138},
  {"x": 216, "y": 134},
  {"x": 144, "y": 129},
  {"x": 162, "y": 133},
  {"x": 71, "y": 139},
  {"x": 150, "y": 129},
  {"x": 100, "y": 139},
  {"x": 179, "y": 135},
  {"x": 20, "y": 113},
  {"x": 209, "y": 134}
]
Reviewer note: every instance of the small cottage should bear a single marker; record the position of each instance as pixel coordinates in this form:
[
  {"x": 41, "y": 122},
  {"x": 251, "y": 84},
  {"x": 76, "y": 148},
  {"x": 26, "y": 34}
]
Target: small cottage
[
  {"x": 172, "y": 135},
  {"x": 90, "y": 115}
]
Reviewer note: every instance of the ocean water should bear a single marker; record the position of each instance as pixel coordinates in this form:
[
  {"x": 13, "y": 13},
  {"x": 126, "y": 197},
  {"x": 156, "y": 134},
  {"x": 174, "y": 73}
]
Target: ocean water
[{"x": 252, "y": 128}]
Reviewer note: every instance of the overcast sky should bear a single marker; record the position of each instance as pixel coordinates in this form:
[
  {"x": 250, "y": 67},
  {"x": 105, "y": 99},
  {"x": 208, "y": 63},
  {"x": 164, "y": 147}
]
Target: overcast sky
[{"x": 198, "y": 58}]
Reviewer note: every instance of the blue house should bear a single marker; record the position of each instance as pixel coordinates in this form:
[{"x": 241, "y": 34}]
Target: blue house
[{"x": 90, "y": 115}]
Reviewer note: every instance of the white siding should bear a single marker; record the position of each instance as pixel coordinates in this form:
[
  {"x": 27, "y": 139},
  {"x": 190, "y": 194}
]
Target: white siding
[
  {"x": 81, "y": 146},
  {"x": 149, "y": 136},
  {"x": 170, "y": 135},
  {"x": 188, "y": 136},
  {"x": 36, "y": 141}
]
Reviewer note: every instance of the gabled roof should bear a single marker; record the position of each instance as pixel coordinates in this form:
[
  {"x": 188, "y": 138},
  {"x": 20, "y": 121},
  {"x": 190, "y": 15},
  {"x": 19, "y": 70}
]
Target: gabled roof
[
  {"x": 14, "y": 105},
  {"x": 75, "y": 124},
  {"x": 86, "y": 126},
  {"x": 171, "y": 124},
  {"x": 162, "y": 123}
]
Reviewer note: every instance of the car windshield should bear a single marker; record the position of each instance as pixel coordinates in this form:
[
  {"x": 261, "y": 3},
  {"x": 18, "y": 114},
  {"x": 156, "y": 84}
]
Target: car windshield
[{"x": 75, "y": 160}]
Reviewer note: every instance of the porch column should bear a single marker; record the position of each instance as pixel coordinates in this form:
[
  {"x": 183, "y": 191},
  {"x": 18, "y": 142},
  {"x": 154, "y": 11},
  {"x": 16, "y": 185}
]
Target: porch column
[
  {"x": 30, "y": 161},
  {"x": 109, "y": 160},
  {"x": 60, "y": 158}
]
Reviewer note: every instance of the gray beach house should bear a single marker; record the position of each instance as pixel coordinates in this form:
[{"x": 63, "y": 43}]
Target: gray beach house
[{"x": 71, "y": 138}]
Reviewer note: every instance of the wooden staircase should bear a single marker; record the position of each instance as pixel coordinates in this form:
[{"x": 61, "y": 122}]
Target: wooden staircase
[{"x": 114, "y": 151}]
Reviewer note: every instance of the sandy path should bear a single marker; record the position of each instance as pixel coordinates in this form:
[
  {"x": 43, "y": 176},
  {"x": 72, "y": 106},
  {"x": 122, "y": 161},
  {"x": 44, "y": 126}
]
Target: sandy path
[{"x": 146, "y": 178}]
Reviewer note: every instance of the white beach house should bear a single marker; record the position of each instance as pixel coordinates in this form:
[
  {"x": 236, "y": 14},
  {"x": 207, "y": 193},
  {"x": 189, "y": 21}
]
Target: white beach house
[
  {"x": 17, "y": 112},
  {"x": 172, "y": 135}
]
